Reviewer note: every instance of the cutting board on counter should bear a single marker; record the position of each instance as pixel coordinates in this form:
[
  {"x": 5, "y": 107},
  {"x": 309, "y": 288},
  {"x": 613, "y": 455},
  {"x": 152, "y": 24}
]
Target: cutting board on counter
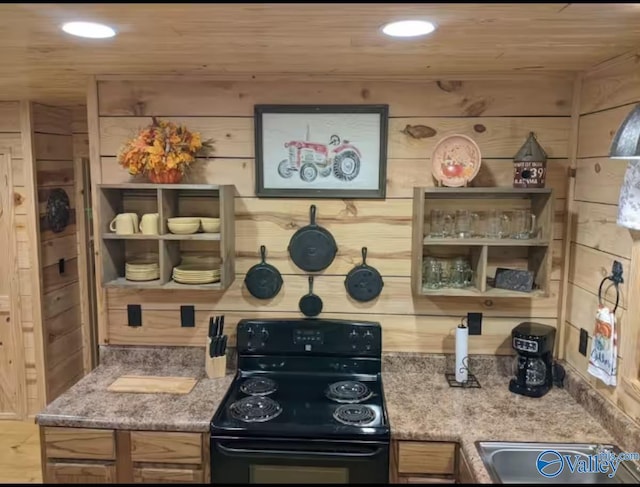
[{"x": 150, "y": 384}]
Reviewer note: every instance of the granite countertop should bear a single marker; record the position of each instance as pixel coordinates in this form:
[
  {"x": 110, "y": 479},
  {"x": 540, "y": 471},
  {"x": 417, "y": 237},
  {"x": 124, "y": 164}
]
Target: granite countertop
[
  {"x": 420, "y": 403},
  {"x": 88, "y": 404},
  {"x": 422, "y": 406}
]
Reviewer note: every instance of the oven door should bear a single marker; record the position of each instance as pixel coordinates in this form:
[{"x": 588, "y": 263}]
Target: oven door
[{"x": 264, "y": 461}]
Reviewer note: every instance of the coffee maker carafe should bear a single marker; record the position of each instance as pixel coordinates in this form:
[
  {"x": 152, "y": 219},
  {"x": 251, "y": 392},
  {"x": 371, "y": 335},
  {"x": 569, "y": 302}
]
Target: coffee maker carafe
[{"x": 533, "y": 365}]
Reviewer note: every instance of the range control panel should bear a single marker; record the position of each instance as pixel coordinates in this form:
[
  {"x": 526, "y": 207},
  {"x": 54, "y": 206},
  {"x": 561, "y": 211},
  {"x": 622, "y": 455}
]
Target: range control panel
[
  {"x": 525, "y": 345},
  {"x": 312, "y": 336}
]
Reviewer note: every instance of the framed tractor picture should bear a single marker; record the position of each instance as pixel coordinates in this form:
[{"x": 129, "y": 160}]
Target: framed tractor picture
[{"x": 321, "y": 151}]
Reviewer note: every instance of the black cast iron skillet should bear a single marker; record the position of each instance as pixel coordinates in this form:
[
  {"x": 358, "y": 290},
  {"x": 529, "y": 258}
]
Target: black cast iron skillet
[
  {"x": 310, "y": 304},
  {"x": 364, "y": 282},
  {"x": 312, "y": 248},
  {"x": 263, "y": 280}
]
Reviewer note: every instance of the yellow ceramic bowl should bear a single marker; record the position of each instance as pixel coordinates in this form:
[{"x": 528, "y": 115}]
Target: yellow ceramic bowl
[
  {"x": 210, "y": 225},
  {"x": 183, "y": 228},
  {"x": 184, "y": 219}
]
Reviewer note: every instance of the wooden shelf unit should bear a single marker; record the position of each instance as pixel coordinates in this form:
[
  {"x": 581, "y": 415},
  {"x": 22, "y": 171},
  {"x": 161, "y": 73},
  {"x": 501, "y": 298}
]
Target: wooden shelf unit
[
  {"x": 168, "y": 200},
  {"x": 485, "y": 254}
]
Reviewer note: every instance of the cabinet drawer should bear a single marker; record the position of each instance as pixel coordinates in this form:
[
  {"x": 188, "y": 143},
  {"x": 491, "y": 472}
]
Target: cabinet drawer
[
  {"x": 426, "y": 480},
  {"x": 163, "y": 447},
  {"x": 421, "y": 457},
  {"x": 167, "y": 476},
  {"x": 79, "y": 443},
  {"x": 79, "y": 473}
]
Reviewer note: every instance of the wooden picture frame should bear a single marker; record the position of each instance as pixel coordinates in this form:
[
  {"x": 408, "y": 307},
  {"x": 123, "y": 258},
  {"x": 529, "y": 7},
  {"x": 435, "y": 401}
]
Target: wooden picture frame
[{"x": 321, "y": 151}]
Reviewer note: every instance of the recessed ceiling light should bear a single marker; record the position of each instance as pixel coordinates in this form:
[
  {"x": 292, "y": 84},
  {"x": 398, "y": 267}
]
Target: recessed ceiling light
[
  {"x": 409, "y": 28},
  {"x": 91, "y": 30}
]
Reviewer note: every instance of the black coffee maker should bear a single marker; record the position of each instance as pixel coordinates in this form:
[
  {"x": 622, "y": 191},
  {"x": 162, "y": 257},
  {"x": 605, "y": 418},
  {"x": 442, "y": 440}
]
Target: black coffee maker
[{"x": 533, "y": 364}]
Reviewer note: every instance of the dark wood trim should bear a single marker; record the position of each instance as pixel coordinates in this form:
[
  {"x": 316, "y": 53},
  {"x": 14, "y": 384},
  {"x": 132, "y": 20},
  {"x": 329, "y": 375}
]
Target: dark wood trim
[{"x": 124, "y": 464}]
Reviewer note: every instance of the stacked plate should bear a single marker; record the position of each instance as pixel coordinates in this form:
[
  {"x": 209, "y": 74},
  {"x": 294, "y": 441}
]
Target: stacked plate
[
  {"x": 195, "y": 274},
  {"x": 142, "y": 269}
]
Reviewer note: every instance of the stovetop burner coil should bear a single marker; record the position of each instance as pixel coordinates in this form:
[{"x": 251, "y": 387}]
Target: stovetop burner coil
[
  {"x": 348, "y": 391},
  {"x": 255, "y": 409},
  {"x": 259, "y": 386},
  {"x": 354, "y": 414}
]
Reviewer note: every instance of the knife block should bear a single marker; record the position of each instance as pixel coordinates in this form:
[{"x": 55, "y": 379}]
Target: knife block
[{"x": 216, "y": 366}]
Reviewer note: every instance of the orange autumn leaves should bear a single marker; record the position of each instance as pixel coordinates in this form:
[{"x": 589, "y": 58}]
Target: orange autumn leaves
[{"x": 162, "y": 146}]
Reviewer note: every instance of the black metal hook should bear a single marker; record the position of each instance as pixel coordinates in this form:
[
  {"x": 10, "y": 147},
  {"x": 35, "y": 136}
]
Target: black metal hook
[{"x": 616, "y": 278}]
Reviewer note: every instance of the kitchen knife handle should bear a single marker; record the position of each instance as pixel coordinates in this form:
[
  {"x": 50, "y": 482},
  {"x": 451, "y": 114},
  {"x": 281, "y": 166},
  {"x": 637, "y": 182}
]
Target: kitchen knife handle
[
  {"x": 224, "y": 345},
  {"x": 221, "y": 325},
  {"x": 213, "y": 341},
  {"x": 211, "y": 327}
]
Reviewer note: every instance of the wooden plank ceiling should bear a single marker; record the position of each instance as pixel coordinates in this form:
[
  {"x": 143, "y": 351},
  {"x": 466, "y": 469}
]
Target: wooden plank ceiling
[{"x": 303, "y": 40}]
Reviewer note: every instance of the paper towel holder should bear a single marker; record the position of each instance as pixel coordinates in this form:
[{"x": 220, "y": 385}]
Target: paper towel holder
[{"x": 472, "y": 382}]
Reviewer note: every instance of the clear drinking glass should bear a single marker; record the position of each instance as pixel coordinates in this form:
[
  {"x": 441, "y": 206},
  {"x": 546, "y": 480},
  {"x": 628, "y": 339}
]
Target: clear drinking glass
[
  {"x": 498, "y": 224},
  {"x": 433, "y": 275},
  {"x": 524, "y": 224},
  {"x": 461, "y": 274},
  {"x": 466, "y": 224},
  {"x": 440, "y": 224}
]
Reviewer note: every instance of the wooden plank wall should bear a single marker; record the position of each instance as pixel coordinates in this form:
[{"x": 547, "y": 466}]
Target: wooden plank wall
[
  {"x": 498, "y": 114},
  {"x": 53, "y": 140},
  {"x": 608, "y": 94},
  {"x": 11, "y": 136}
]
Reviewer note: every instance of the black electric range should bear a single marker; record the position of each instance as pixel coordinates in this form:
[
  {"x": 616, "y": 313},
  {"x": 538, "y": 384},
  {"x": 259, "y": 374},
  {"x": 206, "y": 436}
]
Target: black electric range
[{"x": 306, "y": 405}]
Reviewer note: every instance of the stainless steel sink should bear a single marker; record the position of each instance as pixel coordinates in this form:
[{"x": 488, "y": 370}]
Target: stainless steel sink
[{"x": 517, "y": 463}]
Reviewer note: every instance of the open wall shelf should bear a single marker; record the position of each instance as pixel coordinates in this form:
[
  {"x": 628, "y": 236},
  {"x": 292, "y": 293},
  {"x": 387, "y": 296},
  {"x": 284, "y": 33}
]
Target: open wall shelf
[
  {"x": 484, "y": 254},
  {"x": 168, "y": 200}
]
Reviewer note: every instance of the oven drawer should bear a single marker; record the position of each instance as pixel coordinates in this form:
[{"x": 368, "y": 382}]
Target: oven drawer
[
  {"x": 166, "y": 447},
  {"x": 298, "y": 461},
  {"x": 426, "y": 457}
]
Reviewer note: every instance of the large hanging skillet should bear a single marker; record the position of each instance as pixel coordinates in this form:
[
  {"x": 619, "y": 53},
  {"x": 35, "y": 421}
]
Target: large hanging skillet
[
  {"x": 263, "y": 280},
  {"x": 312, "y": 248},
  {"x": 364, "y": 282},
  {"x": 310, "y": 304}
]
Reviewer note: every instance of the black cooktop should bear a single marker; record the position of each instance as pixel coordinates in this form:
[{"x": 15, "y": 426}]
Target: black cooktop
[
  {"x": 311, "y": 379},
  {"x": 300, "y": 407}
]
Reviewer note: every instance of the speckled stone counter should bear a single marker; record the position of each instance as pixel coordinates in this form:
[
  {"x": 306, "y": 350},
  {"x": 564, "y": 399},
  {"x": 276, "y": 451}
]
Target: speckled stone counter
[
  {"x": 422, "y": 406},
  {"x": 420, "y": 403},
  {"x": 88, "y": 404}
]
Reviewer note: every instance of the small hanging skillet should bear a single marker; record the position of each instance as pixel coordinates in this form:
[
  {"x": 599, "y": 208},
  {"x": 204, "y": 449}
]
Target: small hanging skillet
[
  {"x": 364, "y": 282},
  {"x": 310, "y": 304},
  {"x": 312, "y": 248},
  {"x": 263, "y": 280}
]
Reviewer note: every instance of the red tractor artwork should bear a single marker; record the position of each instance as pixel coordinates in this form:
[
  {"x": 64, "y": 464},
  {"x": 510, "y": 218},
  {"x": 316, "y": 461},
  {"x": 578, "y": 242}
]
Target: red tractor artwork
[{"x": 313, "y": 158}]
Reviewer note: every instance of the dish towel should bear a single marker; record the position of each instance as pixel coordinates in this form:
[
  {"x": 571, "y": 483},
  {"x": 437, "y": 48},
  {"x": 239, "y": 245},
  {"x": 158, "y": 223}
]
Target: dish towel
[{"x": 604, "y": 347}]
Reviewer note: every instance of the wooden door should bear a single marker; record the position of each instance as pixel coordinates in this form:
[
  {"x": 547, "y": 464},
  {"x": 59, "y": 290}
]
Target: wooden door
[{"x": 12, "y": 374}]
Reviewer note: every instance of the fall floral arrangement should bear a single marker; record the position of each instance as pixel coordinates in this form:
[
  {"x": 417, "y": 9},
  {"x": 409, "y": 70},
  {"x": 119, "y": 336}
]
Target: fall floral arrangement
[{"x": 162, "y": 151}]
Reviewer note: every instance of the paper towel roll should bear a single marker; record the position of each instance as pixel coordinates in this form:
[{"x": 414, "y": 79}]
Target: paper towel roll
[{"x": 462, "y": 362}]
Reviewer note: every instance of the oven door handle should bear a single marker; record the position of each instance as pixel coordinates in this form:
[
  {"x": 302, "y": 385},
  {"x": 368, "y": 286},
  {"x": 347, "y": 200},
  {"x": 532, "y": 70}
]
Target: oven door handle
[{"x": 351, "y": 452}]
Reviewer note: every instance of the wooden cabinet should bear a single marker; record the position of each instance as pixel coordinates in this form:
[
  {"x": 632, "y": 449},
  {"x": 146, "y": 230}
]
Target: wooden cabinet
[
  {"x": 79, "y": 473},
  {"x": 165, "y": 447},
  {"x": 86, "y": 444},
  {"x": 485, "y": 255},
  {"x": 168, "y": 200},
  {"x": 419, "y": 462},
  {"x": 153, "y": 475},
  {"x": 465, "y": 475},
  {"x": 80, "y": 455}
]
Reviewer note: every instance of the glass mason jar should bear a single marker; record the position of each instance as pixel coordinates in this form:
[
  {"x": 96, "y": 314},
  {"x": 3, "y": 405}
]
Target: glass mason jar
[
  {"x": 432, "y": 277},
  {"x": 461, "y": 274}
]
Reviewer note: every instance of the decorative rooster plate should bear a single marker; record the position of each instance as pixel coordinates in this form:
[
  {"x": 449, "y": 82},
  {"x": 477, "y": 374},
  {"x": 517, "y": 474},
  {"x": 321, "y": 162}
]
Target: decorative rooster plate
[{"x": 456, "y": 160}]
